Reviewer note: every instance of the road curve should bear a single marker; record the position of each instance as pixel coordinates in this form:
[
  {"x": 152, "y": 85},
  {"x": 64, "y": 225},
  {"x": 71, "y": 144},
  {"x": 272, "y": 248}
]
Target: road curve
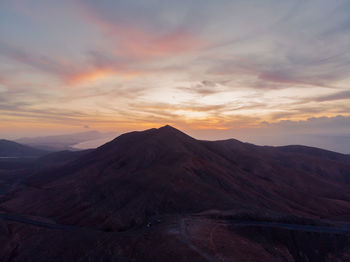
[{"x": 344, "y": 229}]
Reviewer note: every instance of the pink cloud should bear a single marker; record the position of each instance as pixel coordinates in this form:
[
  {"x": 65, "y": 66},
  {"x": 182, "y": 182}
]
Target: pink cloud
[{"x": 134, "y": 41}]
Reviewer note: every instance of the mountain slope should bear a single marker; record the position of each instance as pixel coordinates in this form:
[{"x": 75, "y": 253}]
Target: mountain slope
[
  {"x": 161, "y": 195},
  {"x": 13, "y": 149},
  {"x": 161, "y": 171}
]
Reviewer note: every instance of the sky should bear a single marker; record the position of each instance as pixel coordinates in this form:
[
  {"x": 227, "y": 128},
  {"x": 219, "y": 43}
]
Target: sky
[{"x": 265, "y": 71}]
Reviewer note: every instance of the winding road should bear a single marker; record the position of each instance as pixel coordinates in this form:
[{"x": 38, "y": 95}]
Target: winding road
[{"x": 28, "y": 221}]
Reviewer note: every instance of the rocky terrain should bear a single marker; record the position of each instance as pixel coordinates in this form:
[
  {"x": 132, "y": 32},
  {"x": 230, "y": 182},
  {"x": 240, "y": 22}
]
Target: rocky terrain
[{"x": 160, "y": 195}]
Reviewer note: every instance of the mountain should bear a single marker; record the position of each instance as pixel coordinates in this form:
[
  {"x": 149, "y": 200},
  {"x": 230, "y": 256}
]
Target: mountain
[
  {"x": 59, "y": 158},
  {"x": 14, "y": 156},
  {"x": 14, "y": 171},
  {"x": 13, "y": 149},
  {"x": 162, "y": 195}
]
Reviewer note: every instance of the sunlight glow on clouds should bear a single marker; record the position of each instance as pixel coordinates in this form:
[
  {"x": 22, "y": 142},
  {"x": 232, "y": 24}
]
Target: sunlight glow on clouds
[{"x": 126, "y": 65}]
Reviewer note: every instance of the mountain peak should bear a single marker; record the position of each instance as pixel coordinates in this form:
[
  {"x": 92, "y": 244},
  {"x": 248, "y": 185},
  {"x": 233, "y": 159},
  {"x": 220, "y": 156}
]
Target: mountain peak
[
  {"x": 171, "y": 131},
  {"x": 168, "y": 127}
]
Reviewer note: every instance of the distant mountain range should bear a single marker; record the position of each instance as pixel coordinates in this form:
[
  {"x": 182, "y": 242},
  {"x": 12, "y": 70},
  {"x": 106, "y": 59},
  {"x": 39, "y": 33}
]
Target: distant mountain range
[
  {"x": 161, "y": 195},
  {"x": 13, "y": 149},
  {"x": 82, "y": 140}
]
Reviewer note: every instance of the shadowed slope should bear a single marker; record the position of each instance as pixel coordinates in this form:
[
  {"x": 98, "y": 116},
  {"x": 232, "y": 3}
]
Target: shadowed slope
[
  {"x": 164, "y": 171},
  {"x": 160, "y": 195},
  {"x": 13, "y": 149}
]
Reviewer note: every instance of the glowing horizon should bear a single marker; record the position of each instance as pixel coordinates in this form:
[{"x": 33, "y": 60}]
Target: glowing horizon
[{"x": 203, "y": 65}]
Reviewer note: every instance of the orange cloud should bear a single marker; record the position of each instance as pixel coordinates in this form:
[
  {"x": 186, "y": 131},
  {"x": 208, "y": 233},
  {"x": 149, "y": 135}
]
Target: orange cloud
[
  {"x": 99, "y": 74},
  {"x": 89, "y": 76}
]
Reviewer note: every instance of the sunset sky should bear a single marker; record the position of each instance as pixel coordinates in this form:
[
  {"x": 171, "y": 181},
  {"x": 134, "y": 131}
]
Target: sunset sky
[{"x": 266, "y": 68}]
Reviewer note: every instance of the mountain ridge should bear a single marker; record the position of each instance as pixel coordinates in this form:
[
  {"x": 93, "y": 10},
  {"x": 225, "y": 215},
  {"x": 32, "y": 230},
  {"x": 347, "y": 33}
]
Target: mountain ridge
[
  {"x": 12, "y": 149},
  {"x": 216, "y": 166},
  {"x": 175, "y": 198}
]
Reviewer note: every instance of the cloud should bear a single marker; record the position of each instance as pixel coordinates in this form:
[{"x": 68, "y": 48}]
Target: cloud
[
  {"x": 56, "y": 67},
  {"x": 183, "y": 107},
  {"x": 72, "y": 73},
  {"x": 342, "y": 95},
  {"x": 278, "y": 73},
  {"x": 135, "y": 35},
  {"x": 203, "y": 88},
  {"x": 330, "y": 133},
  {"x": 223, "y": 64}
]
